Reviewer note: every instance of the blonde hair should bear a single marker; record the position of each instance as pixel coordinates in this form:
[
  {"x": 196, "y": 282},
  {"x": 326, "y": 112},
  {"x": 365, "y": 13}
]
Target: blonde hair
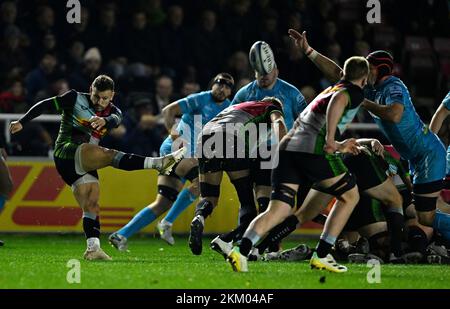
[{"x": 355, "y": 68}]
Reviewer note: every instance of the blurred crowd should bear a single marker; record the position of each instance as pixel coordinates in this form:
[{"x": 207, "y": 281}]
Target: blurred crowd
[{"x": 159, "y": 51}]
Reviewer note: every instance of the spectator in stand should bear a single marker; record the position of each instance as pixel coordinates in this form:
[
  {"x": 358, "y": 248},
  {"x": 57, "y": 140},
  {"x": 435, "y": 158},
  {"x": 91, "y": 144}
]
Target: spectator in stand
[
  {"x": 142, "y": 48},
  {"x": 143, "y": 136},
  {"x": 83, "y": 78},
  {"x": 208, "y": 47},
  {"x": 13, "y": 58},
  {"x": 239, "y": 66},
  {"x": 41, "y": 76},
  {"x": 12, "y": 100},
  {"x": 174, "y": 42},
  {"x": 189, "y": 87},
  {"x": 163, "y": 93}
]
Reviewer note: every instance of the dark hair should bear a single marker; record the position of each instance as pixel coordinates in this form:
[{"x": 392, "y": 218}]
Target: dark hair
[
  {"x": 223, "y": 78},
  {"x": 103, "y": 83},
  {"x": 355, "y": 68},
  {"x": 383, "y": 61}
]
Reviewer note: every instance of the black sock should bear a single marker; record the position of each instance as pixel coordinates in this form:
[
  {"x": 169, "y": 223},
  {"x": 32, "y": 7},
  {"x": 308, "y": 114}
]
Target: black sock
[
  {"x": 91, "y": 227},
  {"x": 323, "y": 248},
  {"x": 235, "y": 234},
  {"x": 128, "y": 161},
  {"x": 395, "y": 223},
  {"x": 278, "y": 233},
  {"x": 417, "y": 239},
  {"x": 204, "y": 208},
  {"x": 263, "y": 203},
  {"x": 245, "y": 246}
]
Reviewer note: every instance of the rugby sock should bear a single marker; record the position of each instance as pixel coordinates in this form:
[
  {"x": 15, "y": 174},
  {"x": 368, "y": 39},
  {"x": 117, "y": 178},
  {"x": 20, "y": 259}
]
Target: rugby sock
[
  {"x": 235, "y": 234},
  {"x": 203, "y": 209},
  {"x": 245, "y": 246},
  {"x": 395, "y": 223},
  {"x": 250, "y": 238},
  {"x": 131, "y": 162},
  {"x": 324, "y": 246},
  {"x": 263, "y": 203},
  {"x": 279, "y": 232},
  {"x": 91, "y": 225},
  {"x": 2, "y": 203},
  {"x": 139, "y": 221},
  {"x": 417, "y": 239},
  {"x": 184, "y": 199}
]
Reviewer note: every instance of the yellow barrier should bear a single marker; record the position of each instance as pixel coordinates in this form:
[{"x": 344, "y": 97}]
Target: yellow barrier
[{"x": 41, "y": 202}]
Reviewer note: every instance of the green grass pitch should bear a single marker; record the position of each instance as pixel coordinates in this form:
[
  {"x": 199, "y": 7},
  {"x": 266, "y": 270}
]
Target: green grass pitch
[{"x": 40, "y": 261}]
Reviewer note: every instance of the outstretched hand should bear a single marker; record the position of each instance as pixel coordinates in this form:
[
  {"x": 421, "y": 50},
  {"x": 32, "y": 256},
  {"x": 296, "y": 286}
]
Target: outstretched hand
[
  {"x": 299, "y": 39},
  {"x": 15, "y": 127}
]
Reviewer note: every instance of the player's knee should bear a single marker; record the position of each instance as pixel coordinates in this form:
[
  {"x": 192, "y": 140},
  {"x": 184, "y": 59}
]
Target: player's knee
[
  {"x": 343, "y": 189},
  {"x": 107, "y": 154},
  {"x": 169, "y": 193},
  {"x": 393, "y": 200},
  {"x": 209, "y": 190},
  {"x": 284, "y": 194},
  {"x": 194, "y": 188},
  {"x": 350, "y": 196}
]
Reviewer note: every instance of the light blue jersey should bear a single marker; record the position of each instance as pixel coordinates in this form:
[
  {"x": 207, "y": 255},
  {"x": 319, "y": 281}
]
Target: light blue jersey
[
  {"x": 410, "y": 137},
  {"x": 197, "y": 109},
  {"x": 293, "y": 100},
  {"x": 446, "y": 103}
]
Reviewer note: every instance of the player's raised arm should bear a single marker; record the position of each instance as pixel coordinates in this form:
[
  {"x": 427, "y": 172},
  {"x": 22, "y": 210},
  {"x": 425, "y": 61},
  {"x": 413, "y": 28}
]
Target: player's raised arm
[{"x": 328, "y": 67}]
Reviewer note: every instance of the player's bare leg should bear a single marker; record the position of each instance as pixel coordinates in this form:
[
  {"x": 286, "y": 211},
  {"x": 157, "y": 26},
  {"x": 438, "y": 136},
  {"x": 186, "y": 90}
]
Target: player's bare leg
[
  {"x": 87, "y": 196},
  {"x": 93, "y": 157}
]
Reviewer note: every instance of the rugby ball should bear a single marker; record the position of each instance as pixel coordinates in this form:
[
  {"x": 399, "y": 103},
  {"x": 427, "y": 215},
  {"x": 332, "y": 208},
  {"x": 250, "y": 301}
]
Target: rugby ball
[{"x": 261, "y": 58}]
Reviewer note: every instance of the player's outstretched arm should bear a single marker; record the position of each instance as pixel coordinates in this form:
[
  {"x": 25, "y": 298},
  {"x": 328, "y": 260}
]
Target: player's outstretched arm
[
  {"x": 438, "y": 118},
  {"x": 392, "y": 112},
  {"x": 328, "y": 67},
  {"x": 35, "y": 111}
]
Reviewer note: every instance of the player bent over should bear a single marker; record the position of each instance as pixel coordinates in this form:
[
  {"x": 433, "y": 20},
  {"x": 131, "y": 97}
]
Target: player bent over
[
  {"x": 307, "y": 156},
  {"x": 86, "y": 117},
  {"x": 224, "y": 146}
]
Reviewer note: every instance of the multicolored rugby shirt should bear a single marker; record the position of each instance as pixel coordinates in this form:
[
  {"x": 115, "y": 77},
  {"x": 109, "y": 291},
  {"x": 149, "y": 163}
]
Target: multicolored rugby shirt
[
  {"x": 76, "y": 109},
  {"x": 308, "y": 134},
  {"x": 255, "y": 112},
  {"x": 236, "y": 120}
]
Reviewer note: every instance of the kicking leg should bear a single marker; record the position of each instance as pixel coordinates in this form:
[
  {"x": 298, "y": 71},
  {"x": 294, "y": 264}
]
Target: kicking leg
[{"x": 89, "y": 157}]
